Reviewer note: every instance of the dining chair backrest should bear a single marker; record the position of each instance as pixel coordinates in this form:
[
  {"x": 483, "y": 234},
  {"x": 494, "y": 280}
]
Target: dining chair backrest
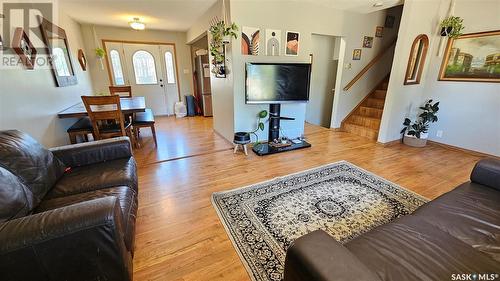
[
  {"x": 102, "y": 110},
  {"x": 122, "y": 91}
]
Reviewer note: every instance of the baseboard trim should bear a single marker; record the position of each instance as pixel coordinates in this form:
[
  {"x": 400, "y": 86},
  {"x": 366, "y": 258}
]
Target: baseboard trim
[
  {"x": 390, "y": 143},
  {"x": 472, "y": 152}
]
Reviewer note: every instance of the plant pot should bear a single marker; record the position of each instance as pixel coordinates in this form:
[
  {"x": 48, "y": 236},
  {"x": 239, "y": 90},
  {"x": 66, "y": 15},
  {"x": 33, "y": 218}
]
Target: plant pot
[
  {"x": 226, "y": 39},
  {"x": 414, "y": 141},
  {"x": 445, "y": 31}
]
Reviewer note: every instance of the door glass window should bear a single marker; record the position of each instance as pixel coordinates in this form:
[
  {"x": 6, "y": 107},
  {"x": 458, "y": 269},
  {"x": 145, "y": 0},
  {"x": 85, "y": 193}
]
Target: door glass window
[
  {"x": 117, "y": 67},
  {"x": 169, "y": 61},
  {"x": 144, "y": 68}
]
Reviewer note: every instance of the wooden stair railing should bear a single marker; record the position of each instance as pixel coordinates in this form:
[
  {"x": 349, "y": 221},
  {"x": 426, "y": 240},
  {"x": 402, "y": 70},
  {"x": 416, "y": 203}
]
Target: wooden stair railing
[{"x": 369, "y": 65}]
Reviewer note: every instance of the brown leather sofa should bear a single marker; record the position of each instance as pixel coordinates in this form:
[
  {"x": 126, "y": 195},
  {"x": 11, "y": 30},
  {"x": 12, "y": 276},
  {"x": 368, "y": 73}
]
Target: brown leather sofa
[
  {"x": 450, "y": 238},
  {"x": 66, "y": 213}
]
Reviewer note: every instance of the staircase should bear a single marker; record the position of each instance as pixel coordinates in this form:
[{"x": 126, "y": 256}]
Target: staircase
[{"x": 365, "y": 119}]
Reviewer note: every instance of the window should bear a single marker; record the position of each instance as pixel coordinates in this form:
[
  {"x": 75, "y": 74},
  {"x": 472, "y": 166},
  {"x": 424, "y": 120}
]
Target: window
[
  {"x": 169, "y": 65},
  {"x": 117, "y": 67},
  {"x": 144, "y": 68},
  {"x": 416, "y": 60},
  {"x": 60, "y": 63}
]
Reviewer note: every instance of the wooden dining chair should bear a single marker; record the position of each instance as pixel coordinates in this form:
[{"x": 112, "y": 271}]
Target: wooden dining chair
[
  {"x": 107, "y": 118},
  {"x": 140, "y": 120},
  {"x": 122, "y": 91}
]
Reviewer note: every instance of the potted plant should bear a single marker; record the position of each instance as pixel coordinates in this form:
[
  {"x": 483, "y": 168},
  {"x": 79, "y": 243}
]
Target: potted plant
[
  {"x": 221, "y": 35},
  {"x": 452, "y": 27},
  {"x": 260, "y": 126},
  {"x": 100, "y": 53},
  {"x": 415, "y": 133}
]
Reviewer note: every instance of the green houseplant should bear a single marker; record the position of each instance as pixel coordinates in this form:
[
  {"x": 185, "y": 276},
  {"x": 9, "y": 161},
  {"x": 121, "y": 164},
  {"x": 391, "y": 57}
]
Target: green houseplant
[
  {"x": 221, "y": 35},
  {"x": 100, "y": 53},
  {"x": 416, "y": 133},
  {"x": 260, "y": 126},
  {"x": 452, "y": 27}
]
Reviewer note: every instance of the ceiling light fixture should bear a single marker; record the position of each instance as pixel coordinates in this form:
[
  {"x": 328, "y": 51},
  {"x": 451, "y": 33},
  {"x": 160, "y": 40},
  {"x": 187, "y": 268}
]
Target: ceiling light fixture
[
  {"x": 378, "y": 4},
  {"x": 136, "y": 24}
]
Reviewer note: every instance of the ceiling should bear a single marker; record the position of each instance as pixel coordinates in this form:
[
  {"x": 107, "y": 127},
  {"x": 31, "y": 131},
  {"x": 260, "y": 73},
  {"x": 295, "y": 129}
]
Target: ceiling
[
  {"x": 179, "y": 15},
  {"x": 358, "y": 6}
]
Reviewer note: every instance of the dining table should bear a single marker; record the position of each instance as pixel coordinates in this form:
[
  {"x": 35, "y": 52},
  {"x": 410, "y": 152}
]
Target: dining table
[{"x": 128, "y": 106}]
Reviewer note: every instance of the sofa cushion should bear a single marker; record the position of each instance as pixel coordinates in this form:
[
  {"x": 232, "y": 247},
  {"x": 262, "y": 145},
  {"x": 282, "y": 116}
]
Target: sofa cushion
[
  {"x": 16, "y": 200},
  {"x": 120, "y": 172},
  {"x": 128, "y": 203},
  {"x": 487, "y": 172},
  {"x": 471, "y": 213},
  {"x": 36, "y": 166},
  {"x": 409, "y": 248}
]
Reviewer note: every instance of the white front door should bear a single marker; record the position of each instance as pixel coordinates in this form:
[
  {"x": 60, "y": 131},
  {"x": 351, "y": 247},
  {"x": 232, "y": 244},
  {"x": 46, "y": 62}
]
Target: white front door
[{"x": 149, "y": 69}]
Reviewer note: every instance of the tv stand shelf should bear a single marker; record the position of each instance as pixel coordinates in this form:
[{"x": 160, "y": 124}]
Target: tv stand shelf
[{"x": 265, "y": 149}]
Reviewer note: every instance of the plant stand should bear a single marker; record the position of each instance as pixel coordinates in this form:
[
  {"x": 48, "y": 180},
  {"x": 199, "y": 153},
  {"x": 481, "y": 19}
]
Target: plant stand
[{"x": 241, "y": 139}]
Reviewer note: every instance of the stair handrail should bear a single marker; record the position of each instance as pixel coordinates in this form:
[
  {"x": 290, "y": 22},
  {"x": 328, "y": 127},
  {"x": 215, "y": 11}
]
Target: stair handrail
[{"x": 369, "y": 65}]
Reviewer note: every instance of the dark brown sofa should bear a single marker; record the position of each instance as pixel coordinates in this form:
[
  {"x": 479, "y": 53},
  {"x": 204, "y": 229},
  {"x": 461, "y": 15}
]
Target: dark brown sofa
[
  {"x": 67, "y": 213},
  {"x": 450, "y": 238}
]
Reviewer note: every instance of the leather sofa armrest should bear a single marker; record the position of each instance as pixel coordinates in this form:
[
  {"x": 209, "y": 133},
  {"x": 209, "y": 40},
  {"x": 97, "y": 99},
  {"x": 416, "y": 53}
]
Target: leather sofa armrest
[
  {"x": 83, "y": 241},
  {"x": 487, "y": 172},
  {"x": 317, "y": 256},
  {"x": 89, "y": 153}
]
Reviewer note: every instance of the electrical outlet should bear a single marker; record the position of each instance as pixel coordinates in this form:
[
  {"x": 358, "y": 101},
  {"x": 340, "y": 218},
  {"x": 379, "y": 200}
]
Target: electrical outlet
[{"x": 439, "y": 134}]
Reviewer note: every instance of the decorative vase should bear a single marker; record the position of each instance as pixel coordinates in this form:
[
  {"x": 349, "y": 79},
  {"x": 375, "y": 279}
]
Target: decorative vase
[
  {"x": 414, "y": 141},
  {"x": 445, "y": 31}
]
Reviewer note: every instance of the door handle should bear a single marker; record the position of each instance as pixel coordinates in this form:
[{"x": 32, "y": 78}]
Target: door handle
[{"x": 161, "y": 85}]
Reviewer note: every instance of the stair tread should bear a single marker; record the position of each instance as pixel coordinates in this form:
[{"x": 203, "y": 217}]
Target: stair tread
[
  {"x": 367, "y": 117},
  {"x": 362, "y": 127},
  {"x": 369, "y": 107}
]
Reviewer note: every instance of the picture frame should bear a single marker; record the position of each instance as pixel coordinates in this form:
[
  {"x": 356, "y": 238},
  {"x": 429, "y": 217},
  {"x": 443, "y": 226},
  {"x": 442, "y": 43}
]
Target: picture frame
[
  {"x": 379, "y": 31},
  {"x": 367, "y": 42},
  {"x": 24, "y": 48},
  {"x": 472, "y": 57},
  {"x": 250, "y": 41},
  {"x": 389, "y": 21},
  {"x": 356, "y": 54},
  {"x": 292, "y": 46},
  {"x": 56, "y": 43},
  {"x": 273, "y": 42},
  {"x": 82, "y": 59}
]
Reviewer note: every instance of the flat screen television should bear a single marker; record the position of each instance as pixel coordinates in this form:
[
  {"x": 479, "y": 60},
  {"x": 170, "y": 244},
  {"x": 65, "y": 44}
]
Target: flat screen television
[{"x": 277, "y": 82}]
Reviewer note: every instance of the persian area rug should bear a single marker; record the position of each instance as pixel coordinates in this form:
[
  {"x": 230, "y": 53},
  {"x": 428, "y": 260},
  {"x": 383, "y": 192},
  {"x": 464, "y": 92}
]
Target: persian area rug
[{"x": 263, "y": 219}]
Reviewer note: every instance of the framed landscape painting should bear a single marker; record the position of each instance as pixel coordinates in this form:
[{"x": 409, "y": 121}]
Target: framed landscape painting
[{"x": 473, "y": 57}]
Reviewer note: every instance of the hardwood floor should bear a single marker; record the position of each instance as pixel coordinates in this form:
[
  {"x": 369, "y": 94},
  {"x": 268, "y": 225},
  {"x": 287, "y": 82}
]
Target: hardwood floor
[{"x": 179, "y": 236}]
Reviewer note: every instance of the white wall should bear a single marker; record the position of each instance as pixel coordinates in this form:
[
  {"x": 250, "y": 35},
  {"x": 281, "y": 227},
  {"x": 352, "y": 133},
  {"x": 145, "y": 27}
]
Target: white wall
[
  {"x": 30, "y": 100},
  {"x": 470, "y": 112},
  {"x": 222, "y": 88},
  {"x": 314, "y": 19},
  {"x": 469, "y": 115},
  {"x": 100, "y": 76},
  {"x": 355, "y": 28}
]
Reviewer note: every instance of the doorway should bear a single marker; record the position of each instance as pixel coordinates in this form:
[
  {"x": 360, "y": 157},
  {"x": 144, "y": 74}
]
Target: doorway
[
  {"x": 325, "y": 60},
  {"x": 149, "y": 68}
]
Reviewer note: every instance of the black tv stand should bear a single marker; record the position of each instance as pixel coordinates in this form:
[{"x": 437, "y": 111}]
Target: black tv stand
[{"x": 274, "y": 134}]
